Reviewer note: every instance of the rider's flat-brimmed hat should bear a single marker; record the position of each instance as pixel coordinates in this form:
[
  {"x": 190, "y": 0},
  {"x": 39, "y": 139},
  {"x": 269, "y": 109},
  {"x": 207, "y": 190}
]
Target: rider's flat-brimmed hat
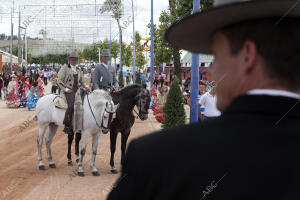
[
  {"x": 73, "y": 55},
  {"x": 193, "y": 33},
  {"x": 105, "y": 52}
]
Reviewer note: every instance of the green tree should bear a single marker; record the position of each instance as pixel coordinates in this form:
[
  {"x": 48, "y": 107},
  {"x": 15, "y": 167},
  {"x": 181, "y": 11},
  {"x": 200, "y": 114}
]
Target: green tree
[
  {"x": 115, "y": 49},
  {"x": 105, "y": 44},
  {"x": 127, "y": 55},
  {"x": 138, "y": 79},
  {"x": 15, "y": 51},
  {"x": 140, "y": 59},
  {"x": 174, "y": 112},
  {"x": 165, "y": 52},
  {"x": 91, "y": 52},
  {"x": 116, "y": 8},
  {"x": 121, "y": 79}
]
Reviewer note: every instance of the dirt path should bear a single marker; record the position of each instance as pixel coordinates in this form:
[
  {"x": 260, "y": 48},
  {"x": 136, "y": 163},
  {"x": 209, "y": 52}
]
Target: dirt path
[{"x": 21, "y": 178}]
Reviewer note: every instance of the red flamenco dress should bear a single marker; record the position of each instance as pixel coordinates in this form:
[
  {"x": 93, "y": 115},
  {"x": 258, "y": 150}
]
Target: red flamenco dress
[
  {"x": 156, "y": 106},
  {"x": 13, "y": 100}
]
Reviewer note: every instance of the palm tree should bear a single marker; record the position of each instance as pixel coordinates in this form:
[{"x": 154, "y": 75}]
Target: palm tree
[{"x": 116, "y": 8}]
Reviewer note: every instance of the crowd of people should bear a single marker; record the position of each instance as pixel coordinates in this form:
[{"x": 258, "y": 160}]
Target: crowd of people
[
  {"x": 24, "y": 87},
  {"x": 206, "y": 98}
]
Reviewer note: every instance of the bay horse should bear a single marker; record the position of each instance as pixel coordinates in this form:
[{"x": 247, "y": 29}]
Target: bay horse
[
  {"x": 127, "y": 98},
  {"x": 98, "y": 108}
]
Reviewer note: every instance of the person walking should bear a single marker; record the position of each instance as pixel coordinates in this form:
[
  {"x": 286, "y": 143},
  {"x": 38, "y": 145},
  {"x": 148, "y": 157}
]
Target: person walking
[
  {"x": 6, "y": 80},
  {"x": 54, "y": 84},
  {"x": 251, "y": 151},
  {"x": 13, "y": 99},
  {"x": 104, "y": 76},
  {"x": 45, "y": 77},
  {"x": 209, "y": 102},
  {"x": 1, "y": 85},
  {"x": 201, "y": 108}
]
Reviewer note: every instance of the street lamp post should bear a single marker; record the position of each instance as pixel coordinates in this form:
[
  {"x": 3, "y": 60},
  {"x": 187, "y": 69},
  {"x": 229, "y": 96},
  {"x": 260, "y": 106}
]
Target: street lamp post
[
  {"x": 152, "y": 46},
  {"x": 110, "y": 43},
  {"x": 133, "y": 66},
  {"x": 194, "y": 77},
  {"x": 11, "y": 39},
  {"x": 99, "y": 54}
]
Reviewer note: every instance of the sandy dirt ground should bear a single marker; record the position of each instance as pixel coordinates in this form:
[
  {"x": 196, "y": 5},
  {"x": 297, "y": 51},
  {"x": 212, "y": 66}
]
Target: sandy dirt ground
[{"x": 20, "y": 177}]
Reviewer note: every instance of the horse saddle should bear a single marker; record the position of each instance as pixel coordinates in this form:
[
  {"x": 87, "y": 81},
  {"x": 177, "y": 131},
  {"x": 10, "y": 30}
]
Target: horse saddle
[{"x": 60, "y": 102}]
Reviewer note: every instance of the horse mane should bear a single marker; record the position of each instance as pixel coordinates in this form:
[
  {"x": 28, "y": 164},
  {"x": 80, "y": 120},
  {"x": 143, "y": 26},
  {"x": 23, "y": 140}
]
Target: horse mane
[
  {"x": 126, "y": 89},
  {"x": 102, "y": 93},
  {"x": 124, "y": 92}
]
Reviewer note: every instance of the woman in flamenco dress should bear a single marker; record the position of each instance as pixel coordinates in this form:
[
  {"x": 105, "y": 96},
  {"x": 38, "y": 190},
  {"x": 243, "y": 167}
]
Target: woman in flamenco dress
[
  {"x": 13, "y": 100},
  {"x": 32, "y": 97}
]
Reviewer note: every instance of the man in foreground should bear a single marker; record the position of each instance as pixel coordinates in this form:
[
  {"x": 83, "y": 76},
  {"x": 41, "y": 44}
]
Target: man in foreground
[{"x": 251, "y": 151}]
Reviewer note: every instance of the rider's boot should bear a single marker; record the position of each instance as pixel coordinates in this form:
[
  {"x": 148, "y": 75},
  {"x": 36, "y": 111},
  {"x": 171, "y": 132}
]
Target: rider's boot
[{"x": 68, "y": 129}]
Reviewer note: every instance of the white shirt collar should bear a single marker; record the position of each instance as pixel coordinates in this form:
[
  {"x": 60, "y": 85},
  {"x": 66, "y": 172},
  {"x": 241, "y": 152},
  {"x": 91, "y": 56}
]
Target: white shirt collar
[
  {"x": 272, "y": 92},
  {"x": 73, "y": 69}
]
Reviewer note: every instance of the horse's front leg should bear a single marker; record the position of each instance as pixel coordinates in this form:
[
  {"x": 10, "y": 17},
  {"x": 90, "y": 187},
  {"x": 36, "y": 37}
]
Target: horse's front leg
[
  {"x": 48, "y": 141},
  {"x": 125, "y": 135},
  {"x": 113, "y": 139},
  {"x": 77, "y": 140},
  {"x": 94, "y": 153},
  {"x": 85, "y": 138},
  {"x": 70, "y": 141}
]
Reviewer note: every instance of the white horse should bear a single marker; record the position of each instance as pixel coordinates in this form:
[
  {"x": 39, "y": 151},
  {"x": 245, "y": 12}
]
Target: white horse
[{"x": 98, "y": 112}]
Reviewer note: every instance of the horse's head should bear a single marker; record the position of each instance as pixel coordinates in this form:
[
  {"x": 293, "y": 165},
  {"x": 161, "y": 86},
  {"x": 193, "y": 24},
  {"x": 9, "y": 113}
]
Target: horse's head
[
  {"x": 143, "y": 100},
  {"x": 108, "y": 115}
]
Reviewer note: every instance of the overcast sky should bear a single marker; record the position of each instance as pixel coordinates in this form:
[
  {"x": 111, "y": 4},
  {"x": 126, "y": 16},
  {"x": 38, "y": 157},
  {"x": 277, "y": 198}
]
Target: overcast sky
[{"x": 142, "y": 8}]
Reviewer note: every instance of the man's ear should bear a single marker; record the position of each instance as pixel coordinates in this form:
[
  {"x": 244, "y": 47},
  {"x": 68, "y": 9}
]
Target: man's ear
[{"x": 249, "y": 55}]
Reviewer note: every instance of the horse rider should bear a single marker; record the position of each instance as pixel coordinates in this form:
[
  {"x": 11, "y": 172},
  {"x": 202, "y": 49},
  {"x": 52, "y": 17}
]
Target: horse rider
[
  {"x": 104, "y": 76},
  {"x": 70, "y": 78}
]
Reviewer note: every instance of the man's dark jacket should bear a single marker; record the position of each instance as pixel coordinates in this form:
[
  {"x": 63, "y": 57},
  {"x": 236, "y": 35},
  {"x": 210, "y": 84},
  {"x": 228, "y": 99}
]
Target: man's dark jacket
[{"x": 251, "y": 152}]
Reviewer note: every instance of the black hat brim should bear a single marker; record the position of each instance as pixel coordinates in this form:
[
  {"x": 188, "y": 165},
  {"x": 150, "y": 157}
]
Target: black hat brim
[{"x": 193, "y": 33}]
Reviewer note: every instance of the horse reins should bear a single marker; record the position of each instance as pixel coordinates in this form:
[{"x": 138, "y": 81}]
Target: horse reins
[
  {"x": 109, "y": 118},
  {"x": 92, "y": 111},
  {"x": 139, "y": 109},
  {"x": 110, "y": 115}
]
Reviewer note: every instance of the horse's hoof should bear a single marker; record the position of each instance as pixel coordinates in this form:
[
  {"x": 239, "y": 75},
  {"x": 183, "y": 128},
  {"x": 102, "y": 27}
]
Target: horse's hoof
[
  {"x": 80, "y": 173},
  {"x": 96, "y": 174},
  {"x": 52, "y": 166},
  {"x": 70, "y": 163},
  {"x": 114, "y": 171},
  {"x": 41, "y": 167}
]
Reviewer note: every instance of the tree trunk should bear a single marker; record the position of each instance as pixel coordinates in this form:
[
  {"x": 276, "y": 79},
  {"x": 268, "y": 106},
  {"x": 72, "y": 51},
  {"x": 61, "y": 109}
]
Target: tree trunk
[
  {"x": 175, "y": 51},
  {"x": 177, "y": 64}
]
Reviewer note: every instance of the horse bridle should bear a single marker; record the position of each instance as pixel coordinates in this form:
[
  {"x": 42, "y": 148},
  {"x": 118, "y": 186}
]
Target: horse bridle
[
  {"x": 110, "y": 115},
  {"x": 140, "y": 109}
]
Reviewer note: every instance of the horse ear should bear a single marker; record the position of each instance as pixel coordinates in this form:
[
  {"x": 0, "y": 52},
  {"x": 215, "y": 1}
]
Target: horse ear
[{"x": 106, "y": 104}]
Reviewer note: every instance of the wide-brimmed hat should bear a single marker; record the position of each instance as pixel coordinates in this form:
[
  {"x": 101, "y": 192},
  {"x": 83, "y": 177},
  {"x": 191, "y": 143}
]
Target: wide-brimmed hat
[
  {"x": 105, "y": 52},
  {"x": 193, "y": 33},
  {"x": 73, "y": 55}
]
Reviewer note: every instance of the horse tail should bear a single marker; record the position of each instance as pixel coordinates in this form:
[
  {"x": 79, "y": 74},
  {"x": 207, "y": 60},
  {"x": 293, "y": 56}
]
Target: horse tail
[{"x": 35, "y": 118}]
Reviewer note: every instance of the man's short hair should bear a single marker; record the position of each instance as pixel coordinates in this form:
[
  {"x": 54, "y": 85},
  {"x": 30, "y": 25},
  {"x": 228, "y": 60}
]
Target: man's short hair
[{"x": 277, "y": 42}]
